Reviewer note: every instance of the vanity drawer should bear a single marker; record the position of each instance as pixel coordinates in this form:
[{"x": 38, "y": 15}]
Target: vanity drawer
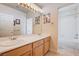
[
  {"x": 18, "y": 51},
  {"x": 38, "y": 51},
  {"x": 37, "y": 43},
  {"x": 47, "y": 39},
  {"x": 29, "y": 53}
]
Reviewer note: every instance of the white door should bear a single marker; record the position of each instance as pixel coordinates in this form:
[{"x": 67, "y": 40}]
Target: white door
[
  {"x": 29, "y": 26},
  {"x": 67, "y": 27},
  {"x": 67, "y": 31},
  {"x": 77, "y": 35}
]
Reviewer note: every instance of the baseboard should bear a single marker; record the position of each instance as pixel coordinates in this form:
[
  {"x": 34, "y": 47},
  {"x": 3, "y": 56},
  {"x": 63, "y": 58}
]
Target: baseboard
[{"x": 54, "y": 51}]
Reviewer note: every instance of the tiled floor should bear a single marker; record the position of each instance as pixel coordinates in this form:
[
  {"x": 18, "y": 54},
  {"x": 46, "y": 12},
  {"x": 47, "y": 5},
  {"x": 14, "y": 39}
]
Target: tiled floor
[
  {"x": 64, "y": 52},
  {"x": 66, "y": 48}
]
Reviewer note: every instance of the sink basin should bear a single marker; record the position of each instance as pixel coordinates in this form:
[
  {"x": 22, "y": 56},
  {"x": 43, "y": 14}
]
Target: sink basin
[
  {"x": 8, "y": 43},
  {"x": 11, "y": 43}
]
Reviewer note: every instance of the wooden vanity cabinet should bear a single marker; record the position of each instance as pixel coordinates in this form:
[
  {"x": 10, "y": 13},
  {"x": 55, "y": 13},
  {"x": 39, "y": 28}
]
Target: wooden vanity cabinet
[
  {"x": 24, "y": 50},
  {"x": 41, "y": 47},
  {"x": 38, "y": 48},
  {"x": 46, "y": 44}
]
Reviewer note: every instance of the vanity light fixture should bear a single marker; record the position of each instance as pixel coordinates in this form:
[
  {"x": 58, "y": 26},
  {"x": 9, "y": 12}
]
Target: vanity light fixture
[{"x": 31, "y": 7}]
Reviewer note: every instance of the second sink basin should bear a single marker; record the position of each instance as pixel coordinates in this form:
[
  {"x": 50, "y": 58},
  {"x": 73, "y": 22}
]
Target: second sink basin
[{"x": 8, "y": 43}]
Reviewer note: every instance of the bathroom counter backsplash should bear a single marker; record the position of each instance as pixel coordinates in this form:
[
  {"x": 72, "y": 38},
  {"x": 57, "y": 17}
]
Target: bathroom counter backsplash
[{"x": 7, "y": 44}]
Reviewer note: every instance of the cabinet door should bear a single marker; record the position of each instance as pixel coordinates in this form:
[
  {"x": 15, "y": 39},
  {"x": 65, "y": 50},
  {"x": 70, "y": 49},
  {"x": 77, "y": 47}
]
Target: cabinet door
[
  {"x": 18, "y": 51},
  {"x": 37, "y": 43},
  {"x": 46, "y": 45},
  {"x": 29, "y": 53},
  {"x": 38, "y": 51}
]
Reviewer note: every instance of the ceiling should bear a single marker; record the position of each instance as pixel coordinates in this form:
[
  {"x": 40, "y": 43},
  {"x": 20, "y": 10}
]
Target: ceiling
[
  {"x": 59, "y": 5},
  {"x": 19, "y": 8},
  {"x": 41, "y": 5},
  {"x": 15, "y": 6}
]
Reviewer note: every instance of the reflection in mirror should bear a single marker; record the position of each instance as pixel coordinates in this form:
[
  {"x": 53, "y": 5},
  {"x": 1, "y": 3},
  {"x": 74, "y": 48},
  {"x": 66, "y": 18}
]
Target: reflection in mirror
[
  {"x": 13, "y": 20},
  {"x": 16, "y": 27},
  {"x": 9, "y": 26},
  {"x": 6, "y": 25}
]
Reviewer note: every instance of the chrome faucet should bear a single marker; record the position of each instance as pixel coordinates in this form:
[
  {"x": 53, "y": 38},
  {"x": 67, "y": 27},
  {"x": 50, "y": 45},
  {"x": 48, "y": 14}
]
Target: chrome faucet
[
  {"x": 39, "y": 34},
  {"x": 12, "y": 37}
]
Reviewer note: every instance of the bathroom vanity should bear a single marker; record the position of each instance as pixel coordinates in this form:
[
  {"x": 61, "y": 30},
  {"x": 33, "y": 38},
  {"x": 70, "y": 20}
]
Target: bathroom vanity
[{"x": 38, "y": 46}]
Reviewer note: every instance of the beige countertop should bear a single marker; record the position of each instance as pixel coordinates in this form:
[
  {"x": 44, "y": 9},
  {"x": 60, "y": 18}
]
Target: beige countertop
[{"x": 20, "y": 41}]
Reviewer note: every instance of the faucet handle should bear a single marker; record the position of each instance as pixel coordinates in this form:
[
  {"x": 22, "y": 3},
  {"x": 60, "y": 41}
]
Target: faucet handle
[{"x": 13, "y": 38}]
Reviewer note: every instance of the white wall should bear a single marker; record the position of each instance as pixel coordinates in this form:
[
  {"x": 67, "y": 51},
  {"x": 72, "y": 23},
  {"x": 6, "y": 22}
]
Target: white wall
[
  {"x": 17, "y": 15},
  {"x": 29, "y": 25},
  {"x": 52, "y": 28}
]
